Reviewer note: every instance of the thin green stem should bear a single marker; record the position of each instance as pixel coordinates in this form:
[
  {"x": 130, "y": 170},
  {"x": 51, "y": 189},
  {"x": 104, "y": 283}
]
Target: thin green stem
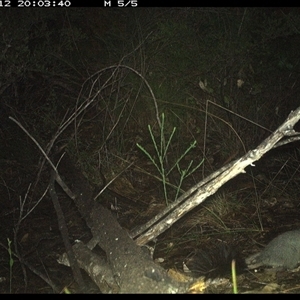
[{"x": 161, "y": 163}]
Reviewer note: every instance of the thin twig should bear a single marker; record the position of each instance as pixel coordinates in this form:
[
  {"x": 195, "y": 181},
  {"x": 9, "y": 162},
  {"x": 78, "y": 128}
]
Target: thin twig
[{"x": 111, "y": 181}]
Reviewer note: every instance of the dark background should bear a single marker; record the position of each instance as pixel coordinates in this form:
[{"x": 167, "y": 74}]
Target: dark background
[{"x": 224, "y": 77}]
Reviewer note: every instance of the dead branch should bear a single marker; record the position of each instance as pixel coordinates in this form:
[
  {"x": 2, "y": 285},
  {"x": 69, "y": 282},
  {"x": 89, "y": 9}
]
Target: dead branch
[
  {"x": 210, "y": 185},
  {"x": 191, "y": 198},
  {"x": 128, "y": 268},
  {"x": 62, "y": 225}
]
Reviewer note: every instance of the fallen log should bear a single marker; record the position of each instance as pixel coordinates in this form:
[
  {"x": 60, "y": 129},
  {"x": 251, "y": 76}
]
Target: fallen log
[{"x": 128, "y": 268}]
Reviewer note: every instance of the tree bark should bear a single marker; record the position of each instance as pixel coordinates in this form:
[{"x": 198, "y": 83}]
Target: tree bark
[{"x": 132, "y": 270}]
